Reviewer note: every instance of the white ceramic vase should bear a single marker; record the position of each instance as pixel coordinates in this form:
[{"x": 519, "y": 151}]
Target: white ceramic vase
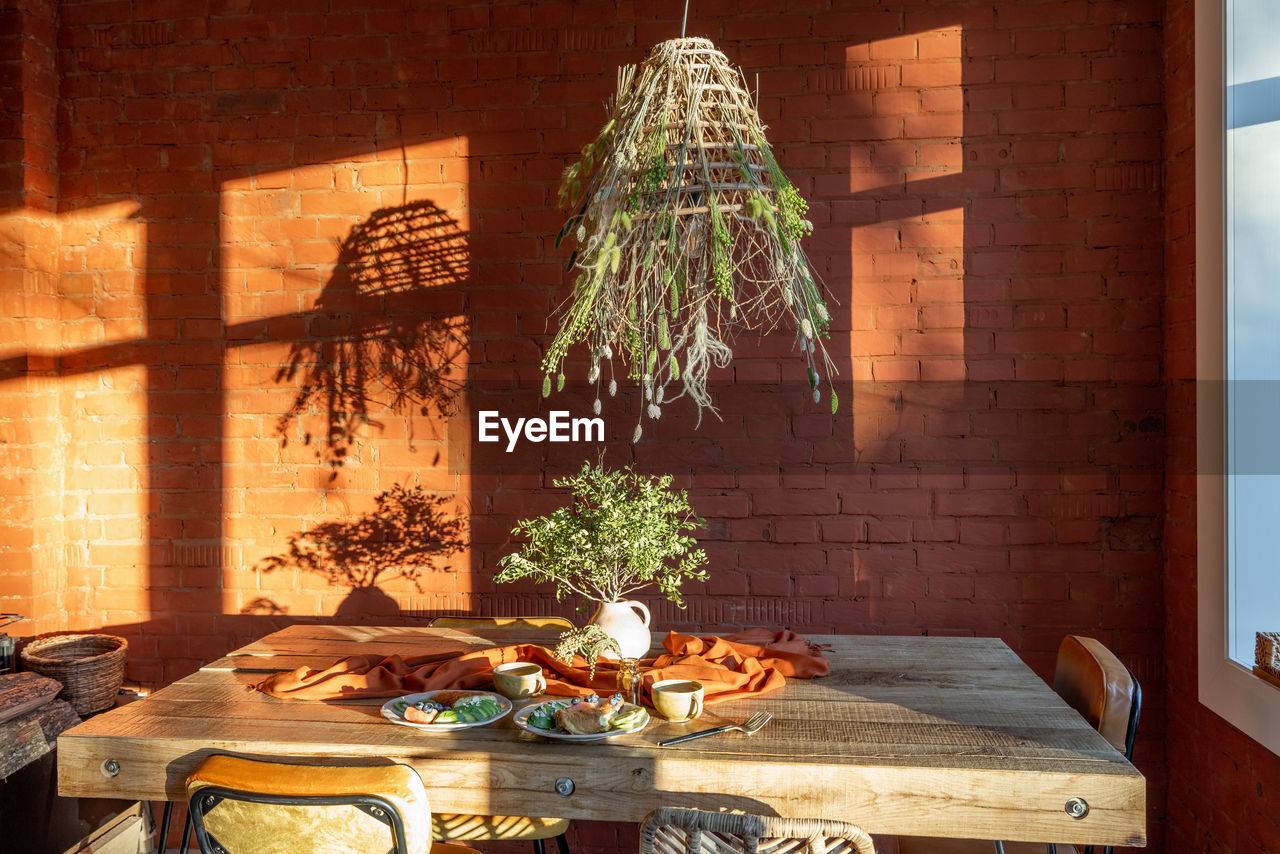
[{"x": 627, "y": 622}]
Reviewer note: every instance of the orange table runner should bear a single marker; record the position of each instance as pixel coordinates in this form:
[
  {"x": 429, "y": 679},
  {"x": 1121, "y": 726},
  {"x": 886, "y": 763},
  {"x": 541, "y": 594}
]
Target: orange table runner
[{"x": 755, "y": 661}]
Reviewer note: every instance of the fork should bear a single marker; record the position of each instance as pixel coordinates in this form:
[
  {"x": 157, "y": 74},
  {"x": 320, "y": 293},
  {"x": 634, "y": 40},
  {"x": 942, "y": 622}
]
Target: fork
[{"x": 747, "y": 727}]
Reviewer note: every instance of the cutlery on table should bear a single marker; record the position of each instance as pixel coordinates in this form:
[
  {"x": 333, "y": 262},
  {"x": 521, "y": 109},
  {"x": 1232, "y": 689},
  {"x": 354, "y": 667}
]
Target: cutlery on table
[{"x": 749, "y": 726}]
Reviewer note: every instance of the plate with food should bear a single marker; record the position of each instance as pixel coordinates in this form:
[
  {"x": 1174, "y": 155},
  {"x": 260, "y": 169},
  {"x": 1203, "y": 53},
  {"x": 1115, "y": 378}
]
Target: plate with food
[
  {"x": 446, "y": 710},
  {"x": 582, "y": 718}
]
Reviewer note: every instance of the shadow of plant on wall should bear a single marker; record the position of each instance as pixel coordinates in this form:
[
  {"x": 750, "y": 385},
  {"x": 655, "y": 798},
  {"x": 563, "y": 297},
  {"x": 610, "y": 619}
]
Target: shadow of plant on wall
[
  {"x": 408, "y": 534},
  {"x": 388, "y": 329}
]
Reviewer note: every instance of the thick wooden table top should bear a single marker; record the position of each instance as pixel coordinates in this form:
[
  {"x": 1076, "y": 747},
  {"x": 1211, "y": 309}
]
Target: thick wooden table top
[{"x": 908, "y": 735}]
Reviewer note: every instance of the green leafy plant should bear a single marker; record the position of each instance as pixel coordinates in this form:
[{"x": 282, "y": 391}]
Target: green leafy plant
[{"x": 622, "y": 532}]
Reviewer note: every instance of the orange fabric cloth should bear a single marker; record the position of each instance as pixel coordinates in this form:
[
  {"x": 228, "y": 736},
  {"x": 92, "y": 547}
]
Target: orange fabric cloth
[
  {"x": 751, "y": 662},
  {"x": 755, "y": 661}
]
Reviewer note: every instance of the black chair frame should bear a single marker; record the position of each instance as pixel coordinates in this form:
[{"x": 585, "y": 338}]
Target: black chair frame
[
  {"x": 209, "y": 797},
  {"x": 539, "y": 845}
]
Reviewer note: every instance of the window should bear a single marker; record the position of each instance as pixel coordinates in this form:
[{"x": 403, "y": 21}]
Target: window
[
  {"x": 1253, "y": 316},
  {"x": 1237, "y": 318}
]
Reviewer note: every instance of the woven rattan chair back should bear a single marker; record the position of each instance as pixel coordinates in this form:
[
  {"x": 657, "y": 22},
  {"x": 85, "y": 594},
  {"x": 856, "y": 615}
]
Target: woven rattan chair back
[{"x": 676, "y": 831}]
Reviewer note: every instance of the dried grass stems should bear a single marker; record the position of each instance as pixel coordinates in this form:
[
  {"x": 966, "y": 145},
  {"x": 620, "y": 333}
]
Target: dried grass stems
[{"x": 687, "y": 233}]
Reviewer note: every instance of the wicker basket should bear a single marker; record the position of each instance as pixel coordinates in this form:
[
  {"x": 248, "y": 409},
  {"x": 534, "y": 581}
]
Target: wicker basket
[
  {"x": 1267, "y": 652},
  {"x": 90, "y": 667}
]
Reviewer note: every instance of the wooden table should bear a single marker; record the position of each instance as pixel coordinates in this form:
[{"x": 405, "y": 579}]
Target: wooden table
[{"x": 908, "y": 735}]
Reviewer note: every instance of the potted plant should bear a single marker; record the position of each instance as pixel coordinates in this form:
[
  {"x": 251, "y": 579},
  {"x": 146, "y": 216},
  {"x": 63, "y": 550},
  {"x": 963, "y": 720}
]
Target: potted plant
[{"x": 621, "y": 532}]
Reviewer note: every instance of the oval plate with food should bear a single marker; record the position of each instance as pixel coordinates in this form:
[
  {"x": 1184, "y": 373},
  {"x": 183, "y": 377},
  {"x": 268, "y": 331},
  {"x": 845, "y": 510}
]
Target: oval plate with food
[
  {"x": 627, "y": 719},
  {"x": 489, "y": 707}
]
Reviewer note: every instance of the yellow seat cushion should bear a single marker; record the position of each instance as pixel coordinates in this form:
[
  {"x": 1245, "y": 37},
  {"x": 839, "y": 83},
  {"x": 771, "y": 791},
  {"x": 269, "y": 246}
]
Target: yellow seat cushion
[{"x": 486, "y": 828}]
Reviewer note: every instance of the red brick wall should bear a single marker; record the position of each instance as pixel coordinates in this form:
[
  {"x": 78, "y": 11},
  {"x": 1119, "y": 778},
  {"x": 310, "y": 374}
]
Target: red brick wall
[
  {"x": 1222, "y": 784},
  {"x": 30, "y": 311},
  {"x": 985, "y": 185}
]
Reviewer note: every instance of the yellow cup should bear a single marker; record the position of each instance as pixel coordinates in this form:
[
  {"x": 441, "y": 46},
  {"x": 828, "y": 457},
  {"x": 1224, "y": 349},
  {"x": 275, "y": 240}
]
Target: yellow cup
[
  {"x": 677, "y": 700},
  {"x": 519, "y": 680}
]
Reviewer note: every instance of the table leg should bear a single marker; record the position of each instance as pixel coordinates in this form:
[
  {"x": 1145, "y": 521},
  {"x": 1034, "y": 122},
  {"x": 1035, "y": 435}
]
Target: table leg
[
  {"x": 165, "y": 816},
  {"x": 186, "y": 834}
]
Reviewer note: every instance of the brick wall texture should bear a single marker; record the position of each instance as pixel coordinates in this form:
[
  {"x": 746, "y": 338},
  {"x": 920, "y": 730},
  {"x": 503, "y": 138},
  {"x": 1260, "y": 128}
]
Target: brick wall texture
[{"x": 263, "y": 264}]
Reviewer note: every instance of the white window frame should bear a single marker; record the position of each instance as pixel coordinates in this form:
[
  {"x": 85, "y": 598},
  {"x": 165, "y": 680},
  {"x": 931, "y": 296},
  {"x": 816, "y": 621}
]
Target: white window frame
[{"x": 1226, "y": 687}]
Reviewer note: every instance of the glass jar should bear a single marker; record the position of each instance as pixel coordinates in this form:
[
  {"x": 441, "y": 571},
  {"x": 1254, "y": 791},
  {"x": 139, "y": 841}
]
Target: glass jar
[{"x": 629, "y": 680}]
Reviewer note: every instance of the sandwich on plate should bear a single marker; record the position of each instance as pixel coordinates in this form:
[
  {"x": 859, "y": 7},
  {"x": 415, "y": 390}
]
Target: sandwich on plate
[{"x": 588, "y": 717}]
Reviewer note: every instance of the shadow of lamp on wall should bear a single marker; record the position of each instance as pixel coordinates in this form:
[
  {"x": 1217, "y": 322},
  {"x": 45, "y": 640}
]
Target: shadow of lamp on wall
[
  {"x": 408, "y": 534},
  {"x": 385, "y": 335},
  {"x": 387, "y": 330}
]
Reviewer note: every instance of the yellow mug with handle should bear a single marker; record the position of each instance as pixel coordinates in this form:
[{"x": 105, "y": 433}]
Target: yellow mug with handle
[
  {"x": 677, "y": 700},
  {"x": 519, "y": 680}
]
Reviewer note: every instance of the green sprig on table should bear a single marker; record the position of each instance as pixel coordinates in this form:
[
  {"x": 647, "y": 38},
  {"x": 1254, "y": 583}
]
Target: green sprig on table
[{"x": 590, "y": 642}]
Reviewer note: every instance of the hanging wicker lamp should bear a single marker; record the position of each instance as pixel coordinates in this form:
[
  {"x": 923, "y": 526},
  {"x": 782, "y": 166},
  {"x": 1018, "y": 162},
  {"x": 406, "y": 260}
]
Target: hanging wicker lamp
[{"x": 687, "y": 233}]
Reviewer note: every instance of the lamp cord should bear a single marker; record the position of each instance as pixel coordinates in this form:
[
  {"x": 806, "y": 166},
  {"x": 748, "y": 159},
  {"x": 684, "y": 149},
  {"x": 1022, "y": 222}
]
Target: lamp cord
[{"x": 685, "y": 21}]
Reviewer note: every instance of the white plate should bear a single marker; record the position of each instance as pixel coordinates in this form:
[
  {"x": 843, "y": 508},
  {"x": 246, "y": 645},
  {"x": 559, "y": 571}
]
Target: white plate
[
  {"x": 390, "y": 714},
  {"x": 522, "y": 720}
]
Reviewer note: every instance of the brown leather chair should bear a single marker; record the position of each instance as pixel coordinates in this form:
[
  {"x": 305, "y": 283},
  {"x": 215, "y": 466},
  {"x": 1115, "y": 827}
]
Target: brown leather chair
[
  {"x": 249, "y": 805},
  {"x": 1105, "y": 693}
]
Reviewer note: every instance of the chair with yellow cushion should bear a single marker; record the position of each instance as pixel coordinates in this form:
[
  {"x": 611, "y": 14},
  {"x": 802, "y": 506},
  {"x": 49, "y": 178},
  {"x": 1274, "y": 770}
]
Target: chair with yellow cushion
[
  {"x": 487, "y": 828},
  {"x": 1106, "y": 694},
  {"x": 501, "y": 622},
  {"x": 250, "y": 806}
]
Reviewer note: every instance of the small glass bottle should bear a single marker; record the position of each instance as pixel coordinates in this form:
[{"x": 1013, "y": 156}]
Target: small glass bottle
[{"x": 629, "y": 680}]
